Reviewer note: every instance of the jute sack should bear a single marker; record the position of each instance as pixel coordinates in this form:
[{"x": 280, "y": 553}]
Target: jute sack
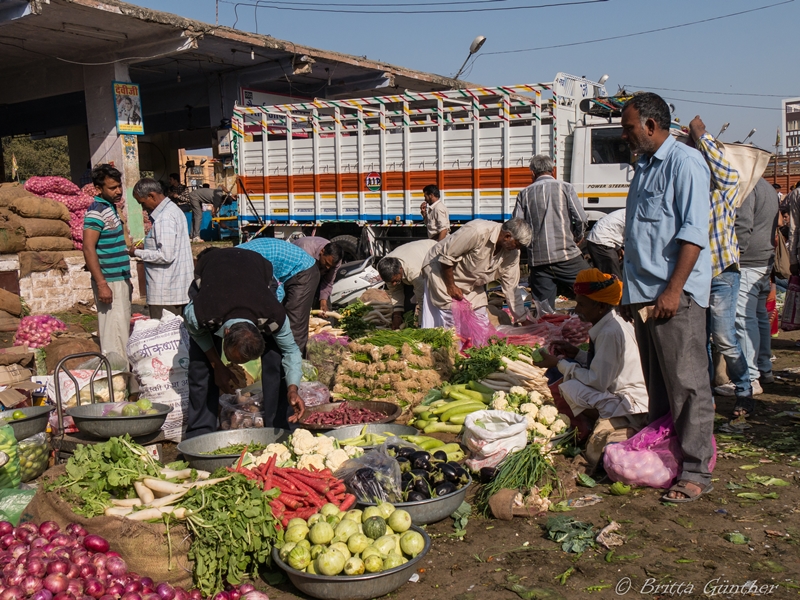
[
  {"x": 143, "y": 546},
  {"x": 11, "y": 190},
  {"x": 28, "y": 205},
  {"x": 11, "y": 303},
  {"x": 45, "y": 227},
  {"x": 44, "y": 243},
  {"x": 12, "y": 233},
  {"x": 8, "y": 322}
]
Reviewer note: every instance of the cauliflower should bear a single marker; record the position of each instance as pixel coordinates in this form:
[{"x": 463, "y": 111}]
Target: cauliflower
[
  {"x": 564, "y": 418},
  {"x": 324, "y": 445},
  {"x": 528, "y": 409},
  {"x": 517, "y": 390},
  {"x": 558, "y": 426},
  {"x": 335, "y": 459},
  {"x": 279, "y": 451},
  {"x": 303, "y": 442},
  {"x": 530, "y": 422},
  {"x": 547, "y": 414},
  {"x": 498, "y": 394},
  {"x": 353, "y": 451},
  {"x": 311, "y": 462},
  {"x": 535, "y": 398},
  {"x": 500, "y": 402},
  {"x": 541, "y": 431}
]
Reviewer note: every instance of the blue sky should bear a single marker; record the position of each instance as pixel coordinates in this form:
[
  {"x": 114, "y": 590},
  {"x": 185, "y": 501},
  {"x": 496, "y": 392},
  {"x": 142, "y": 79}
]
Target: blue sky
[{"x": 747, "y": 54}]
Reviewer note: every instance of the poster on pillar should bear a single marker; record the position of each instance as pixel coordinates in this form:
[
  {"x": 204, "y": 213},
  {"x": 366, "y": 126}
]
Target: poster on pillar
[{"x": 128, "y": 106}]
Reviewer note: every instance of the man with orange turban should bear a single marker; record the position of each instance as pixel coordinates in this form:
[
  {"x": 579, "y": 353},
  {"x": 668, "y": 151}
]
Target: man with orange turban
[{"x": 606, "y": 382}]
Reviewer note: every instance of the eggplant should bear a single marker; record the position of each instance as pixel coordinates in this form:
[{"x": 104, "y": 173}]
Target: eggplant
[
  {"x": 422, "y": 486},
  {"x": 420, "y": 474},
  {"x": 445, "y": 488},
  {"x": 437, "y": 477},
  {"x": 405, "y": 451},
  {"x": 450, "y": 473},
  {"x": 407, "y": 485},
  {"x": 416, "y": 497},
  {"x": 391, "y": 450},
  {"x": 487, "y": 474},
  {"x": 421, "y": 460},
  {"x": 365, "y": 474},
  {"x": 405, "y": 464},
  {"x": 439, "y": 455}
]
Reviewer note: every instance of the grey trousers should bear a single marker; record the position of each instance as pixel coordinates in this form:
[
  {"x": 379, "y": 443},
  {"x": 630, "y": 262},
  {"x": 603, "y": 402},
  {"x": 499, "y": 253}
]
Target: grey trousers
[
  {"x": 299, "y": 299},
  {"x": 675, "y": 365},
  {"x": 114, "y": 322},
  {"x": 544, "y": 279}
]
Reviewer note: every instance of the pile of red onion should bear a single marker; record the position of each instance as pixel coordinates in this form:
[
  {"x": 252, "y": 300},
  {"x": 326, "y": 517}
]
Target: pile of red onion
[
  {"x": 45, "y": 563},
  {"x": 35, "y": 330}
]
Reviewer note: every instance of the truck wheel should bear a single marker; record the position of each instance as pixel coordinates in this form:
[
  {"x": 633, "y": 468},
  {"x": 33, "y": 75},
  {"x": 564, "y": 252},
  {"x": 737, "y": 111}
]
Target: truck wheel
[{"x": 349, "y": 244}]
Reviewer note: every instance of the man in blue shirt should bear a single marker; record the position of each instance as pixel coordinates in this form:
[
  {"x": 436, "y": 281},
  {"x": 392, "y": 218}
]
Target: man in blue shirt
[
  {"x": 233, "y": 309},
  {"x": 298, "y": 278},
  {"x": 667, "y": 283}
]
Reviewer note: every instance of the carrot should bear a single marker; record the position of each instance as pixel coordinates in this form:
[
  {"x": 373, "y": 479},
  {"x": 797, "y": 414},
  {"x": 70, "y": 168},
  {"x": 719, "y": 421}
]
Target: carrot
[
  {"x": 315, "y": 484},
  {"x": 348, "y": 502}
]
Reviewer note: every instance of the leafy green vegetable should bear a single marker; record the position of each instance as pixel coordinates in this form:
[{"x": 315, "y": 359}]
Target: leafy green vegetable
[
  {"x": 586, "y": 481},
  {"x": 767, "y": 480},
  {"x": 352, "y": 322},
  {"x": 252, "y": 447},
  {"x": 486, "y": 360},
  {"x": 619, "y": 489},
  {"x": 435, "y": 338},
  {"x": 520, "y": 470},
  {"x": 96, "y": 473},
  {"x": 736, "y": 538},
  {"x": 460, "y": 519},
  {"x": 233, "y": 531},
  {"x": 574, "y": 536}
]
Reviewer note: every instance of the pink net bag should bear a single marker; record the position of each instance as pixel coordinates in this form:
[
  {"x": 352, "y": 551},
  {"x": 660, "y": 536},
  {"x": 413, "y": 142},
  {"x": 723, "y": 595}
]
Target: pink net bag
[{"x": 651, "y": 458}]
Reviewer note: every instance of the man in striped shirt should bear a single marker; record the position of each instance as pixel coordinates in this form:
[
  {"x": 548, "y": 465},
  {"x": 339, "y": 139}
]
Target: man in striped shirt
[
  {"x": 552, "y": 209},
  {"x": 106, "y": 257},
  {"x": 725, "y": 273}
]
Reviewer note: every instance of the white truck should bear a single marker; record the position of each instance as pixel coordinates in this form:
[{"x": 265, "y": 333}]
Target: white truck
[{"x": 342, "y": 165}]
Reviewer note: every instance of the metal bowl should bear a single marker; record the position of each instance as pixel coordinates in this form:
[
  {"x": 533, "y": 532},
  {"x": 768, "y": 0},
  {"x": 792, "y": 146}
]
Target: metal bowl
[
  {"x": 353, "y": 587},
  {"x": 35, "y": 421},
  {"x": 392, "y": 411},
  {"x": 434, "y": 510},
  {"x": 351, "y": 431},
  {"x": 89, "y": 420},
  {"x": 195, "y": 449}
]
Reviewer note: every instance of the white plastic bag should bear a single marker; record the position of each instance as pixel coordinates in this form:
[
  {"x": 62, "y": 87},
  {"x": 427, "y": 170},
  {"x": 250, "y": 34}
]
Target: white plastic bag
[
  {"x": 491, "y": 435},
  {"x": 158, "y": 351}
]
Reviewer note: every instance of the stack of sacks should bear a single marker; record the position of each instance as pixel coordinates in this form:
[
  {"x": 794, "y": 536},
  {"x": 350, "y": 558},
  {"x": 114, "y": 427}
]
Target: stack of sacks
[
  {"x": 30, "y": 222},
  {"x": 62, "y": 190}
]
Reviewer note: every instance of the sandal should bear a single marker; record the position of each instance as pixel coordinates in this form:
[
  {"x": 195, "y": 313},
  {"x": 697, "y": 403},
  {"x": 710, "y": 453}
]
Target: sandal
[
  {"x": 745, "y": 407},
  {"x": 690, "y": 494}
]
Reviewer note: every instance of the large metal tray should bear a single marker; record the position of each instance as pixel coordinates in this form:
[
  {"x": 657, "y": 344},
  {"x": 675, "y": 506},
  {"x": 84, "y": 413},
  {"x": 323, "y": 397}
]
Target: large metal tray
[
  {"x": 434, "y": 510},
  {"x": 392, "y": 411},
  {"x": 194, "y": 450},
  {"x": 34, "y": 422},
  {"x": 353, "y": 587},
  {"x": 89, "y": 419}
]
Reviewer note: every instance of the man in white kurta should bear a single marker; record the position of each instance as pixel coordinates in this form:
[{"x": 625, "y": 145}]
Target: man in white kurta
[
  {"x": 605, "y": 381},
  {"x": 401, "y": 269},
  {"x": 461, "y": 265}
]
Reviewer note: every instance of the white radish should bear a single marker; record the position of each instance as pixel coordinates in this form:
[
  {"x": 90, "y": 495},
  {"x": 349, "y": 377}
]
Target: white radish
[
  {"x": 150, "y": 513},
  {"x": 118, "y": 511},
  {"x": 127, "y": 502},
  {"x": 163, "y": 487},
  {"x": 145, "y": 493}
]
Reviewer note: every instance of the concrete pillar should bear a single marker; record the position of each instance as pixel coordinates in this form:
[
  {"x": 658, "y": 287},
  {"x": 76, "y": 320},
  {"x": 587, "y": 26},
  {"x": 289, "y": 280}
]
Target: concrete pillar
[
  {"x": 79, "y": 152},
  {"x": 105, "y": 144}
]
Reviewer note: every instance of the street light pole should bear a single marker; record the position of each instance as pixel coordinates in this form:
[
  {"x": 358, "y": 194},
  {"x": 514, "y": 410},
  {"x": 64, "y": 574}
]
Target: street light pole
[{"x": 476, "y": 45}]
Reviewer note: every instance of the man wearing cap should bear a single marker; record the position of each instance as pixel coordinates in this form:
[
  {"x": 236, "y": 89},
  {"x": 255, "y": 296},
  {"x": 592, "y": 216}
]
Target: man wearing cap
[{"x": 606, "y": 381}]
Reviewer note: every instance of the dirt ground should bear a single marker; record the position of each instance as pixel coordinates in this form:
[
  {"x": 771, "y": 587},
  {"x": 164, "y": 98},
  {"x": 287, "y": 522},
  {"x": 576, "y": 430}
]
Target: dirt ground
[{"x": 671, "y": 546}]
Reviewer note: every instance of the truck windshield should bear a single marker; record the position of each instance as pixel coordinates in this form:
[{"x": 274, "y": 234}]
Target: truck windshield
[{"x": 608, "y": 147}]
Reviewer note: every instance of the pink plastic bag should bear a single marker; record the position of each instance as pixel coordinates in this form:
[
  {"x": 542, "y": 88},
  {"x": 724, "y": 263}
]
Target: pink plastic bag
[
  {"x": 313, "y": 393},
  {"x": 472, "y": 329},
  {"x": 651, "y": 458}
]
